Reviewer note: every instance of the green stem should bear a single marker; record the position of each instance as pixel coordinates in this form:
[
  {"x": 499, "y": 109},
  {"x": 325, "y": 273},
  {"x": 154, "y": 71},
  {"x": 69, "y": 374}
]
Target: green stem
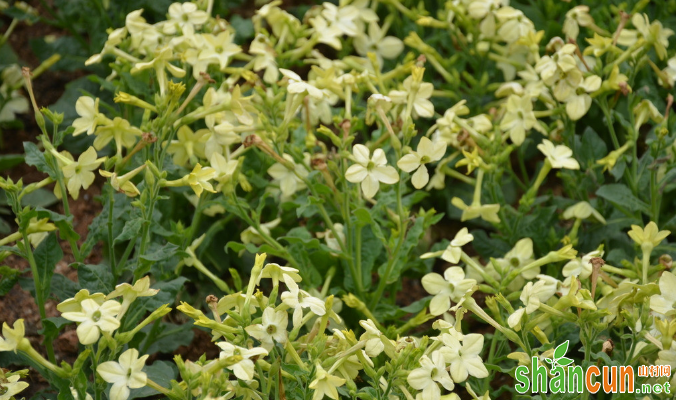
[
  {"x": 218, "y": 281},
  {"x": 152, "y": 384},
  {"x": 395, "y": 256},
  {"x": 646, "y": 264},
  {"x": 111, "y": 245},
  {"x": 145, "y": 230},
  {"x": 358, "y": 277},
  {"x": 64, "y": 199},
  {"x": 39, "y": 298},
  {"x": 654, "y": 197}
]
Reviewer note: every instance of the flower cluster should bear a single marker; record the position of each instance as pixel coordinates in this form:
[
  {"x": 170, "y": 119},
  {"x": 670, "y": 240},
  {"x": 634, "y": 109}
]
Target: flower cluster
[{"x": 551, "y": 155}]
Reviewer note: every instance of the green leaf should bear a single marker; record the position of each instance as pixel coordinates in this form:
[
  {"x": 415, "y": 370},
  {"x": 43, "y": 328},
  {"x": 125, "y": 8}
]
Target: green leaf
[
  {"x": 8, "y": 278},
  {"x": 65, "y": 224},
  {"x": 161, "y": 253},
  {"x": 307, "y": 270},
  {"x": 489, "y": 246},
  {"x": 161, "y": 372},
  {"x": 39, "y": 198},
  {"x": 371, "y": 248},
  {"x": 561, "y": 350},
  {"x": 63, "y": 288},
  {"x": 302, "y": 236},
  {"x": 130, "y": 230},
  {"x": 243, "y": 27},
  {"x": 621, "y": 196},
  {"x": 52, "y": 326},
  {"x": 35, "y": 158},
  {"x": 363, "y": 217},
  {"x": 46, "y": 256},
  {"x": 589, "y": 147},
  {"x": 170, "y": 338},
  {"x": 412, "y": 239},
  {"x": 8, "y": 161},
  {"x": 73, "y": 55},
  {"x": 167, "y": 294},
  {"x": 95, "y": 278}
]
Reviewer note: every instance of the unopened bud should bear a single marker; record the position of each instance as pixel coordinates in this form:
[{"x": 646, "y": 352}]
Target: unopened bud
[
  {"x": 666, "y": 260},
  {"x": 624, "y": 88},
  {"x": 608, "y": 347}
]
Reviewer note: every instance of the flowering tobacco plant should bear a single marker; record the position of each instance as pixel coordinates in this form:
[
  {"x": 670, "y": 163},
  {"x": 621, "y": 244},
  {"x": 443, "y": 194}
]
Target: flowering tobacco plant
[{"x": 323, "y": 145}]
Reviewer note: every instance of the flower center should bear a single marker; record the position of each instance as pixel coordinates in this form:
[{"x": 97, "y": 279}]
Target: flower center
[
  {"x": 96, "y": 316},
  {"x": 514, "y": 261},
  {"x": 424, "y": 160},
  {"x": 129, "y": 372},
  {"x": 271, "y": 329},
  {"x": 370, "y": 165},
  {"x": 186, "y": 18},
  {"x": 434, "y": 373},
  {"x": 219, "y": 49}
]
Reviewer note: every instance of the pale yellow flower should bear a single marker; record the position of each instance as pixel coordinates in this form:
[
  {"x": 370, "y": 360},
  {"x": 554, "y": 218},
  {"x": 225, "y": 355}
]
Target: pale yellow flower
[
  {"x": 559, "y": 156},
  {"x": 199, "y": 178},
  {"x": 427, "y": 152},
  {"x": 325, "y": 384},
  {"x": 648, "y": 237},
  {"x": 80, "y": 174},
  {"x": 487, "y": 212},
  {"x": 89, "y": 116},
  {"x": 519, "y": 118},
  {"x": 290, "y": 180},
  {"x": 94, "y": 318},
  {"x": 370, "y": 171},
  {"x": 12, "y": 337},
  {"x": 124, "y": 374},
  {"x": 583, "y": 210},
  {"x": 11, "y": 387},
  {"x": 119, "y": 129}
]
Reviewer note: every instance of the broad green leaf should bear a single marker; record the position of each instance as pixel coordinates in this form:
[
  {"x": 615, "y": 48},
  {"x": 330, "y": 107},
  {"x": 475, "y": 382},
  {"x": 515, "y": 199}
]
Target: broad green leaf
[
  {"x": 63, "y": 288},
  {"x": 65, "y": 224},
  {"x": 8, "y": 161},
  {"x": 96, "y": 278},
  {"x": 8, "y": 278},
  {"x": 621, "y": 196},
  {"x": 46, "y": 256},
  {"x": 160, "y": 372},
  {"x": 130, "y": 230},
  {"x": 161, "y": 253},
  {"x": 35, "y": 158},
  {"x": 167, "y": 294},
  {"x": 39, "y": 198},
  {"x": 170, "y": 338}
]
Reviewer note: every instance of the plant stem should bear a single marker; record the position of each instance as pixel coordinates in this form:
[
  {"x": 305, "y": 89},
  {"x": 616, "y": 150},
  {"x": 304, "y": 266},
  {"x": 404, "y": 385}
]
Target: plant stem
[
  {"x": 111, "y": 245},
  {"x": 151, "y": 384},
  {"x": 391, "y": 262},
  {"x": 646, "y": 264},
  {"x": 38, "y": 291}
]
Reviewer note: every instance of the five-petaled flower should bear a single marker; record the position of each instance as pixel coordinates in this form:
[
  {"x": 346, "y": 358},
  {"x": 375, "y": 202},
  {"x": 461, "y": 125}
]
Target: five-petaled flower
[
  {"x": 94, "y": 318},
  {"x": 124, "y": 374},
  {"x": 427, "y": 152},
  {"x": 451, "y": 286},
  {"x": 559, "y": 156},
  {"x": 370, "y": 171}
]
